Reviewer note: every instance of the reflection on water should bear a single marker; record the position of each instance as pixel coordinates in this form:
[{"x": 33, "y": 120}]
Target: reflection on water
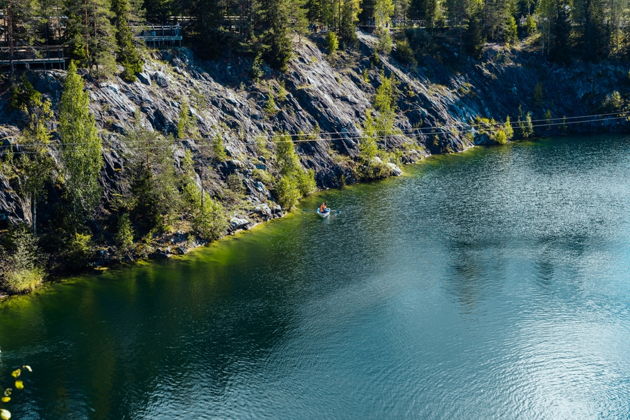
[{"x": 492, "y": 284}]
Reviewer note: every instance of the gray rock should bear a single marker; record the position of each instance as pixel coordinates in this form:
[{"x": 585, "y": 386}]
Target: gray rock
[
  {"x": 160, "y": 79},
  {"x": 144, "y": 79},
  {"x": 394, "y": 169},
  {"x": 237, "y": 223}
]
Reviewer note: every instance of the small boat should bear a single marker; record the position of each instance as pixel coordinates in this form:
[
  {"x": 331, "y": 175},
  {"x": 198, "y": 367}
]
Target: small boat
[{"x": 324, "y": 214}]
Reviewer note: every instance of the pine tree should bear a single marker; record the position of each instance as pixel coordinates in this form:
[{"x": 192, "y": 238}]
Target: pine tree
[
  {"x": 474, "y": 39},
  {"x": 560, "y": 31},
  {"x": 20, "y": 23},
  {"x": 158, "y": 11},
  {"x": 127, "y": 53},
  {"x": 90, "y": 35},
  {"x": 273, "y": 27},
  {"x": 594, "y": 36},
  {"x": 348, "y": 21},
  {"x": 81, "y": 146},
  {"x": 383, "y": 11}
]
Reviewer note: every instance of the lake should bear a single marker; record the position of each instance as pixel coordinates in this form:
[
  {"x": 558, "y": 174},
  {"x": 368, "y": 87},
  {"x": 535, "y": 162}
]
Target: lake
[{"x": 489, "y": 284}]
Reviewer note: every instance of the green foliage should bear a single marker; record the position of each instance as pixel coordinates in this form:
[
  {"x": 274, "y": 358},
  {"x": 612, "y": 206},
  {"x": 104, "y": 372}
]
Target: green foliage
[
  {"x": 218, "y": 148},
  {"x": 21, "y": 270},
  {"x": 270, "y": 106},
  {"x": 124, "y": 234},
  {"x": 507, "y": 127},
  {"x": 332, "y": 42},
  {"x": 404, "y": 53},
  {"x": 210, "y": 221},
  {"x": 474, "y": 38},
  {"x": 525, "y": 125},
  {"x": 127, "y": 53},
  {"x": 288, "y": 192},
  {"x": 256, "y": 70},
  {"x": 531, "y": 27},
  {"x": 155, "y": 198},
  {"x": 511, "y": 30},
  {"x": 613, "y": 102},
  {"x": 81, "y": 151},
  {"x": 23, "y": 94},
  {"x": 78, "y": 250},
  {"x": 90, "y": 35},
  {"x": 496, "y": 132},
  {"x": 295, "y": 182},
  {"x": 187, "y": 124}
]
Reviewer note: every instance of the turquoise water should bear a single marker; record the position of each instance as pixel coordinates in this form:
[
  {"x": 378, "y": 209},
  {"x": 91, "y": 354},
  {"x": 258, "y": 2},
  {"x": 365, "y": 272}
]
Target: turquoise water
[{"x": 491, "y": 284}]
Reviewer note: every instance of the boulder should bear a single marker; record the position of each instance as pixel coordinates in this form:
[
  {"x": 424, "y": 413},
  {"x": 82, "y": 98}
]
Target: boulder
[{"x": 237, "y": 223}]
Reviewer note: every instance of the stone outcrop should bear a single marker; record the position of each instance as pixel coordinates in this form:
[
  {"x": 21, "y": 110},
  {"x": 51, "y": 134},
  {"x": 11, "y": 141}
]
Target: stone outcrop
[{"x": 326, "y": 98}]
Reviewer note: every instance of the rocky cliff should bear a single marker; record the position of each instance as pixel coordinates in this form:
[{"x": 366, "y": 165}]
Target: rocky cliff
[{"x": 327, "y": 99}]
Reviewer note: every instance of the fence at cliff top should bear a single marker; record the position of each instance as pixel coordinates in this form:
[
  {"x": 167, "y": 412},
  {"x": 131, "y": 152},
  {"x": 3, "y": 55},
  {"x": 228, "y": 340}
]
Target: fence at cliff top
[
  {"x": 462, "y": 128},
  {"x": 48, "y": 56}
]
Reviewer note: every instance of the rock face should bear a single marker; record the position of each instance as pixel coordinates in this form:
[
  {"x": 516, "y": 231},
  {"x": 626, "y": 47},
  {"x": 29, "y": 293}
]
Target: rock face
[{"x": 319, "y": 96}]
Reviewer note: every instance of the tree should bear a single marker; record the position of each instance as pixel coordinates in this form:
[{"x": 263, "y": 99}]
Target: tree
[
  {"x": 158, "y": 10},
  {"x": 347, "y": 28},
  {"x": 36, "y": 166},
  {"x": 560, "y": 40},
  {"x": 127, "y": 53},
  {"x": 295, "y": 182},
  {"x": 81, "y": 146},
  {"x": 383, "y": 11},
  {"x": 20, "y": 23},
  {"x": 155, "y": 196},
  {"x": 593, "y": 36},
  {"x": 430, "y": 11},
  {"x": 474, "y": 39},
  {"x": 90, "y": 35}
]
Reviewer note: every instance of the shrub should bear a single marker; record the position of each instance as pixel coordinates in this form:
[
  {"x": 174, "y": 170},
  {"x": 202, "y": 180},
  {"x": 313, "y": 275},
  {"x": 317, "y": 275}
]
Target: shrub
[
  {"x": 235, "y": 183},
  {"x": 332, "y": 43},
  {"x": 124, "y": 234},
  {"x": 79, "y": 250},
  {"x": 288, "y": 192},
  {"x": 20, "y": 266},
  {"x": 210, "y": 220},
  {"x": 256, "y": 70},
  {"x": 24, "y": 280},
  {"x": 525, "y": 125},
  {"x": 270, "y": 106},
  {"x": 218, "y": 148},
  {"x": 613, "y": 101},
  {"x": 404, "y": 53},
  {"x": 530, "y": 25},
  {"x": 306, "y": 182}
]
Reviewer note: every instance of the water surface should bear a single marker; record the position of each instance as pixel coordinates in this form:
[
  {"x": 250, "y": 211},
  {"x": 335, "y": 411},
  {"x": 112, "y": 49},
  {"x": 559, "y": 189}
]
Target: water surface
[{"x": 492, "y": 284}]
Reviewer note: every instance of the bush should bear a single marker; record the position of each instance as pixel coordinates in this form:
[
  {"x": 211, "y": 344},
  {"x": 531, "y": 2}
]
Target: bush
[
  {"x": 218, "y": 148},
  {"x": 288, "y": 192},
  {"x": 332, "y": 43},
  {"x": 24, "y": 280},
  {"x": 530, "y": 25},
  {"x": 210, "y": 220},
  {"x": 613, "y": 102},
  {"x": 124, "y": 235},
  {"x": 306, "y": 182},
  {"x": 79, "y": 250},
  {"x": 20, "y": 266},
  {"x": 404, "y": 53},
  {"x": 270, "y": 106}
]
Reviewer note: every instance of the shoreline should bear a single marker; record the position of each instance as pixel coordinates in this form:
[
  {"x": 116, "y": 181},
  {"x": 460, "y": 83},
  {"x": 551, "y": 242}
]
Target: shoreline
[{"x": 165, "y": 252}]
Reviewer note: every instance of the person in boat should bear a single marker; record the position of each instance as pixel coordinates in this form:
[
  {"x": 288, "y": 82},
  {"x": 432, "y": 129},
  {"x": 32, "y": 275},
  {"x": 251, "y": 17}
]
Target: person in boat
[{"x": 323, "y": 208}]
